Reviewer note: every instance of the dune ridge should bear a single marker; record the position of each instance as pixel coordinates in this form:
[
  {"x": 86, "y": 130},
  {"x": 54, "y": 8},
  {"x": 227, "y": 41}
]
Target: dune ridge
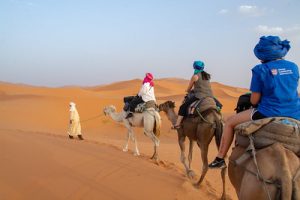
[{"x": 34, "y": 121}]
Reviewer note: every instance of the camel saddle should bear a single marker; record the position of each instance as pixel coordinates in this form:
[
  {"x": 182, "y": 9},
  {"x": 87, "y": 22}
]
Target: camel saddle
[
  {"x": 140, "y": 107},
  {"x": 201, "y": 105},
  {"x": 145, "y": 106},
  {"x": 268, "y": 131}
]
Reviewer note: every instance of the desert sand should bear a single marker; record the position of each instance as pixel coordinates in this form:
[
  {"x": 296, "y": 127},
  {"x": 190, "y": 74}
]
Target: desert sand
[{"x": 39, "y": 161}]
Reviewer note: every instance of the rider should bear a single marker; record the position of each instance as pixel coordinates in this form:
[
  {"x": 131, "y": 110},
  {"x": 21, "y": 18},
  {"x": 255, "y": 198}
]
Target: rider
[
  {"x": 200, "y": 83},
  {"x": 274, "y": 90},
  {"x": 145, "y": 94}
]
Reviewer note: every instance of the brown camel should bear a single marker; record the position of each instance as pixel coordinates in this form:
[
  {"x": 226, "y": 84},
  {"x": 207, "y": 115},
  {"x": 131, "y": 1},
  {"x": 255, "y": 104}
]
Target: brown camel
[
  {"x": 279, "y": 169},
  {"x": 200, "y": 130}
]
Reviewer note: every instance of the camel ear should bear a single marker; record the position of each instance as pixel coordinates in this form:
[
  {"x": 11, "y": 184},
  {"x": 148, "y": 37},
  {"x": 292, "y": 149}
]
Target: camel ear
[
  {"x": 112, "y": 108},
  {"x": 173, "y": 104}
]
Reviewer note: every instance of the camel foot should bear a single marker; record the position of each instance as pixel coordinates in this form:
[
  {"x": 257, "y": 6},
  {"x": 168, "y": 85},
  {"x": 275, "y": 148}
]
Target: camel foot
[
  {"x": 136, "y": 154},
  {"x": 157, "y": 162},
  {"x": 223, "y": 197},
  {"x": 196, "y": 185},
  {"x": 154, "y": 157},
  {"x": 191, "y": 174},
  {"x": 125, "y": 149}
]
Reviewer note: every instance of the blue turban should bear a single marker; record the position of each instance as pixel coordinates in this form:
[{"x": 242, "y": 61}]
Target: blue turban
[
  {"x": 198, "y": 65},
  {"x": 271, "y": 48}
]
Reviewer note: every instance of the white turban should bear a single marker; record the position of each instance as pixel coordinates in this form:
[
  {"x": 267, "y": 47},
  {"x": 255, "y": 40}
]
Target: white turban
[{"x": 72, "y": 106}]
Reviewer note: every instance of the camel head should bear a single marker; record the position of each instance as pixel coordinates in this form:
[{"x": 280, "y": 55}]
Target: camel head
[
  {"x": 166, "y": 106},
  {"x": 109, "y": 109}
]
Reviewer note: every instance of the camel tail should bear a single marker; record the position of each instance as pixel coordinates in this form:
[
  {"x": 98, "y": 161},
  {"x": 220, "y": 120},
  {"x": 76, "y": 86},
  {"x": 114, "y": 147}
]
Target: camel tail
[
  {"x": 218, "y": 130},
  {"x": 157, "y": 124}
]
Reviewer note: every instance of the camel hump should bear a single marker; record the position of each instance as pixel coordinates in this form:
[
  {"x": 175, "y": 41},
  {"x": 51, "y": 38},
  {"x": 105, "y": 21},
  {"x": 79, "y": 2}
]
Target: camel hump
[{"x": 268, "y": 131}]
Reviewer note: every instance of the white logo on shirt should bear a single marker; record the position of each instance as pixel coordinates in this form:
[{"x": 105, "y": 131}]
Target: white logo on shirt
[{"x": 284, "y": 71}]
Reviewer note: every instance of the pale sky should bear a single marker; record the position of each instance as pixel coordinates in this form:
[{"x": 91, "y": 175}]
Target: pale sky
[{"x": 73, "y": 42}]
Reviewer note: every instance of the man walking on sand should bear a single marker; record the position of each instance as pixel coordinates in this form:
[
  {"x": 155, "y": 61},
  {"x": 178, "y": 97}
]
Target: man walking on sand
[{"x": 74, "y": 126}]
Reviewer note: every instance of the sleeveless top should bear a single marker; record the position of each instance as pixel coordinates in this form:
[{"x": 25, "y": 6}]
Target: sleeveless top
[{"x": 202, "y": 87}]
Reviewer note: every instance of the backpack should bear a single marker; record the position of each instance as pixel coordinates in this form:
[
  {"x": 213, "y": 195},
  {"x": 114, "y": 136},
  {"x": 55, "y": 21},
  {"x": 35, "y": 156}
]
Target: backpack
[
  {"x": 243, "y": 103},
  {"x": 127, "y": 101}
]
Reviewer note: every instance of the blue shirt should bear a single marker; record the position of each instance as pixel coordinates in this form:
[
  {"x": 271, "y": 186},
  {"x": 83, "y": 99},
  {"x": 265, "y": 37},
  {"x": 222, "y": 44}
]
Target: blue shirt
[{"x": 277, "y": 82}]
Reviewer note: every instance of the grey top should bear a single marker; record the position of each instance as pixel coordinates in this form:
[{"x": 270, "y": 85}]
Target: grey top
[{"x": 202, "y": 87}]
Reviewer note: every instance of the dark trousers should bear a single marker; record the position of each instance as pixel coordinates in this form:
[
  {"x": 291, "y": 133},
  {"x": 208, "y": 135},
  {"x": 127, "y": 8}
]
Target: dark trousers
[
  {"x": 134, "y": 102},
  {"x": 184, "y": 107}
]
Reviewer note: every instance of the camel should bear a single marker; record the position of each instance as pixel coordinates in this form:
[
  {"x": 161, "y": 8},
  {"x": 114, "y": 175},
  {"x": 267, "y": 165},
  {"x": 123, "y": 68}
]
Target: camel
[
  {"x": 198, "y": 129},
  {"x": 149, "y": 119},
  {"x": 279, "y": 168}
]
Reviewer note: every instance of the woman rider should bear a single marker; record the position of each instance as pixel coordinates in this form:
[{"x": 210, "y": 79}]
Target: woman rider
[
  {"x": 200, "y": 83},
  {"x": 274, "y": 90}
]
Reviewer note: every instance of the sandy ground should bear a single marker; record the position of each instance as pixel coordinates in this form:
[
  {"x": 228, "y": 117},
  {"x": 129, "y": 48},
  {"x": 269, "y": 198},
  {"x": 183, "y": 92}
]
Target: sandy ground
[{"x": 38, "y": 161}]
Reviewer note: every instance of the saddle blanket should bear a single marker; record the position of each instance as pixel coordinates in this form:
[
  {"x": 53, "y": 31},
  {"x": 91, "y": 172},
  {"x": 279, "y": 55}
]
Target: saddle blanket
[
  {"x": 201, "y": 105},
  {"x": 267, "y": 131}
]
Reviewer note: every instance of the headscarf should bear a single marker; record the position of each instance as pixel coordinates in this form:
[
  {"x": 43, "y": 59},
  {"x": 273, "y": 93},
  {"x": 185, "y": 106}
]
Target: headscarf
[
  {"x": 198, "y": 66},
  {"x": 72, "y": 106},
  {"x": 149, "y": 79},
  {"x": 196, "y": 71},
  {"x": 271, "y": 48}
]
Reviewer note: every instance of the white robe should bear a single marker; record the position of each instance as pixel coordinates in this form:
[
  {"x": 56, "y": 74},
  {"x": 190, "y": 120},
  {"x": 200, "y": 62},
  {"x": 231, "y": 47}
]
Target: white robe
[
  {"x": 74, "y": 127},
  {"x": 147, "y": 92}
]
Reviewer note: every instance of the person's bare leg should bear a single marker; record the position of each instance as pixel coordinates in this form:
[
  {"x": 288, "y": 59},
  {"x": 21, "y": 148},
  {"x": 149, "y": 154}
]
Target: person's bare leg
[
  {"x": 178, "y": 122},
  {"x": 228, "y": 133}
]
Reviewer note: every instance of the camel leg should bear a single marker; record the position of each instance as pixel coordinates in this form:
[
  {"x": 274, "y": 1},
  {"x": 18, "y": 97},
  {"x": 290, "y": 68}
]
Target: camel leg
[
  {"x": 149, "y": 123},
  {"x": 125, "y": 148},
  {"x": 156, "y": 144},
  {"x": 191, "y": 173},
  {"x": 181, "y": 140},
  {"x": 128, "y": 136},
  {"x": 286, "y": 176},
  {"x": 155, "y": 141},
  {"x": 136, "y": 150},
  {"x": 204, "y": 151},
  {"x": 190, "y": 157},
  {"x": 296, "y": 185},
  {"x": 223, "y": 174},
  {"x": 155, "y": 154}
]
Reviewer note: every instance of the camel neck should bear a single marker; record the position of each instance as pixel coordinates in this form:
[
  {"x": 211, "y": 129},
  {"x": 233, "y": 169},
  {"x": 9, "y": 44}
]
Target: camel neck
[
  {"x": 172, "y": 116},
  {"x": 117, "y": 116}
]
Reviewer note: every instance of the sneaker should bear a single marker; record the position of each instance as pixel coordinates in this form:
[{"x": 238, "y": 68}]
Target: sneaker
[
  {"x": 218, "y": 163},
  {"x": 71, "y": 137},
  {"x": 129, "y": 115}
]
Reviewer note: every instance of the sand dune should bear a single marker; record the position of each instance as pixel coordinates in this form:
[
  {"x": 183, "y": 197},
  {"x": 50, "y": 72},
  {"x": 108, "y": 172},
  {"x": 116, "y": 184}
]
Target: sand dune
[{"x": 40, "y": 162}]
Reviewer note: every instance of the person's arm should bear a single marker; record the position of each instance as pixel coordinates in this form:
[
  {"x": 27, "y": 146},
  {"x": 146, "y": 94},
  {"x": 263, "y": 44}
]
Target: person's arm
[
  {"x": 256, "y": 85},
  {"x": 191, "y": 83},
  {"x": 255, "y": 98}
]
